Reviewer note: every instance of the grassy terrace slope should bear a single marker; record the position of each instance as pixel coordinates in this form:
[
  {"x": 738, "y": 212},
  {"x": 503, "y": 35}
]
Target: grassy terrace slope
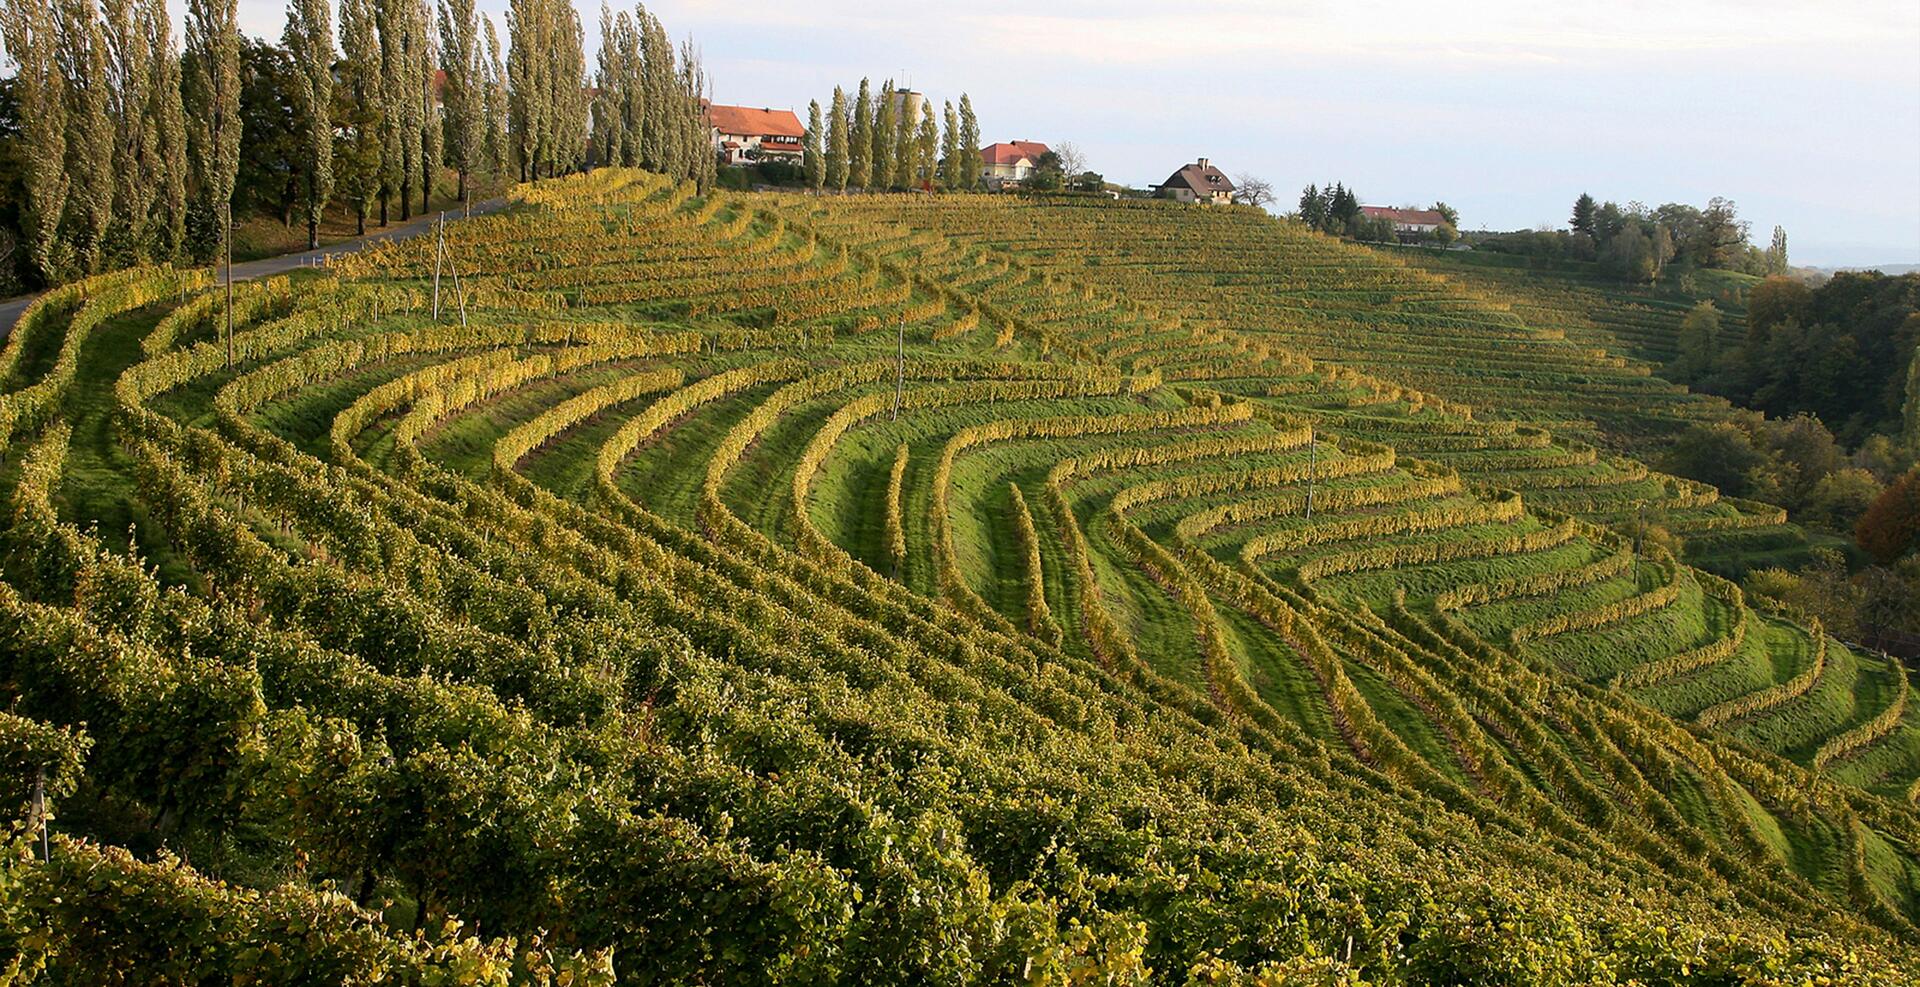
[{"x": 751, "y": 589}]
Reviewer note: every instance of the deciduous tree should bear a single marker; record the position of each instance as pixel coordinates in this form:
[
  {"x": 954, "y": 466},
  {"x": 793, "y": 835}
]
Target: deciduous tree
[
  {"x": 82, "y": 57},
  {"x": 358, "y": 109},
  {"x": 136, "y": 170},
  {"x": 927, "y": 145},
  {"x": 880, "y": 152},
  {"x": 463, "y": 97},
  {"x": 967, "y": 151},
  {"x": 167, "y": 122},
  {"x": 27, "y": 27},
  {"x": 950, "y": 147},
  {"x": 860, "y": 139},
  {"x": 213, "y": 105},
  {"x": 816, "y": 169},
  {"x": 837, "y": 141},
  {"x": 309, "y": 40}
]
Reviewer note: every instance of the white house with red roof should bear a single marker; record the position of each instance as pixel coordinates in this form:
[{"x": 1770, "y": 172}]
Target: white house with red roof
[
  {"x": 1010, "y": 161},
  {"x": 745, "y": 134},
  {"x": 1408, "y": 223}
]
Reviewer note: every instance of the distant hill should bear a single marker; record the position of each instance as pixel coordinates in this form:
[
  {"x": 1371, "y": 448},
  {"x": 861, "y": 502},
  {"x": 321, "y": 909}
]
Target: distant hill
[{"x": 1882, "y": 268}]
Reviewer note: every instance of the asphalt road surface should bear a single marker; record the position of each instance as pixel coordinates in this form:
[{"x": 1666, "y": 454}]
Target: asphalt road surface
[{"x": 11, "y": 308}]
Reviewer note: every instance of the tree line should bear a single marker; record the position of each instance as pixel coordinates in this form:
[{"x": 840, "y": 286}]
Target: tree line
[
  {"x": 122, "y": 147},
  {"x": 1836, "y": 371},
  {"x": 890, "y": 139},
  {"x": 1637, "y": 243}
]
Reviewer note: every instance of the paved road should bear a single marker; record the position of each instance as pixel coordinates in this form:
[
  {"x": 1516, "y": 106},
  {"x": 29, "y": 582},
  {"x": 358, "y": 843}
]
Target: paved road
[{"x": 11, "y": 308}]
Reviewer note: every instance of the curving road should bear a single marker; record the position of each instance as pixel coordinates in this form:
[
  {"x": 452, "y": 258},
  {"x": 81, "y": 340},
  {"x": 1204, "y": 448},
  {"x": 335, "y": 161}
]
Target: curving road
[{"x": 11, "y": 308}]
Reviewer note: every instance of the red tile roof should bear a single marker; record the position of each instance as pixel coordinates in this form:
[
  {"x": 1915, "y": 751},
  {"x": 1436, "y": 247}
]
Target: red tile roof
[
  {"x": 1411, "y": 217},
  {"x": 748, "y": 121},
  {"x": 1010, "y": 152}
]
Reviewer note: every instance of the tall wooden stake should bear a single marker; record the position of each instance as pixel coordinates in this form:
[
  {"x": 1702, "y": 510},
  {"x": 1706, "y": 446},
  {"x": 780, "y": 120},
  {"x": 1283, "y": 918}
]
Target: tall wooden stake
[
  {"x": 1310, "y": 471},
  {"x": 900, "y": 375},
  {"x": 40, "y": 809},
  {"x": 439, "y": 241},
  {"x": 229, "y": 255}
]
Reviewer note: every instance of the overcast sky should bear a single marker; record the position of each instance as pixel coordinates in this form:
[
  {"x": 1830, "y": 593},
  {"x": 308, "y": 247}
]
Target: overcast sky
[{"x": 1807, "y": 115}]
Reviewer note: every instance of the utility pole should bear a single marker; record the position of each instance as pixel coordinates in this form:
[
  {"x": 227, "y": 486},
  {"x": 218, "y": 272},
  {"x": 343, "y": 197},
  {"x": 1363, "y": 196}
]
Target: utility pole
[{"x": 229, "y": 255}]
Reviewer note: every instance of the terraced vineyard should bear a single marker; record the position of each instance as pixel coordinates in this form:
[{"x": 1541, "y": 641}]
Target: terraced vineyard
[
  {"x": 1532, "y": 350},
  {"x": 1640, "y": 322},
  {"x": 748, "y": 589}
]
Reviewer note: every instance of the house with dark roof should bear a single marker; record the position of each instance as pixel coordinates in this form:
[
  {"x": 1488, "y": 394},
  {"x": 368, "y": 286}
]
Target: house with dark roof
[
  {"x": 1198, "y": 182},
  {"x": 1010, "y": 162},
  {"x": 1408, "y": 224},
  {"x": 744, "y": 134}
]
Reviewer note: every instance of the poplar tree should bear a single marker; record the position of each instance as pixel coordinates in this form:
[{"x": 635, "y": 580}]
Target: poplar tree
[
  {"x": 462, "y": 99},
  {"x": 432, "y": 137},
  {"x": 396, "y": 100},
  {"x": 905, "y": 142},
  {"x": 860, "y": 139},
  {"x": 837, "y": 141},
  {"x": 632, "y": 102},
  {"x": 82, "y": 58},
  {"x": 927, "y": 144},
  {"x": 816, "y": 169},
  {"x": 656, "y": 75},
  {"x": 950, "y": 147},
  {"x": 136, "y": 172},
  {"x": 569, "y": 92},
  {"x": 496, "y": 104},
  {"x": 697, "y": 141},
  {"x": 309, "y": 42},
  {"x": 967, "y": 153},
  {"x": 360, "y": 108},
  {"x": 526, "y": 87},
  {"x": 213, "y": 114},
  {"x": 27, "y": 28},
  {"x": 880, "y": 156},
  {"x": 167, "y": 122},
  {"x": 609, "y": 120}
]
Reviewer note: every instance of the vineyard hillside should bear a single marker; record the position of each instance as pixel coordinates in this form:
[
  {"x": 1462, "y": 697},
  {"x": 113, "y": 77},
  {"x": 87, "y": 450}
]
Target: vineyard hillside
[{"x": 665, "y": 587}]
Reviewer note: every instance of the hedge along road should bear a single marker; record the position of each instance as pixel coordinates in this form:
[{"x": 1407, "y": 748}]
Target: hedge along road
[{"x": 11, "y": 308}]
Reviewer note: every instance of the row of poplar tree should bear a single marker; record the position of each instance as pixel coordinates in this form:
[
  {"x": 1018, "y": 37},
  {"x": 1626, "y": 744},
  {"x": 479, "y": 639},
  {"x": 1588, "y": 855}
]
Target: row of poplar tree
[
  {"x": 128, "y": 147},
  {"x": 875, "y": 144}
]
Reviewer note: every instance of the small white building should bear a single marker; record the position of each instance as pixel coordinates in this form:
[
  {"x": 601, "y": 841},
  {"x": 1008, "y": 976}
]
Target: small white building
[{"x": 745, "y": 134}]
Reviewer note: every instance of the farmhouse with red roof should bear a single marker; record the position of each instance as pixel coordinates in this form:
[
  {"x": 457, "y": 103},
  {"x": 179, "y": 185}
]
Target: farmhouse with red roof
[
  {"x": 1010, "y": 161},
  {"x": 1408, "y": 224},
  {"x": 743, "y": 134}
]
